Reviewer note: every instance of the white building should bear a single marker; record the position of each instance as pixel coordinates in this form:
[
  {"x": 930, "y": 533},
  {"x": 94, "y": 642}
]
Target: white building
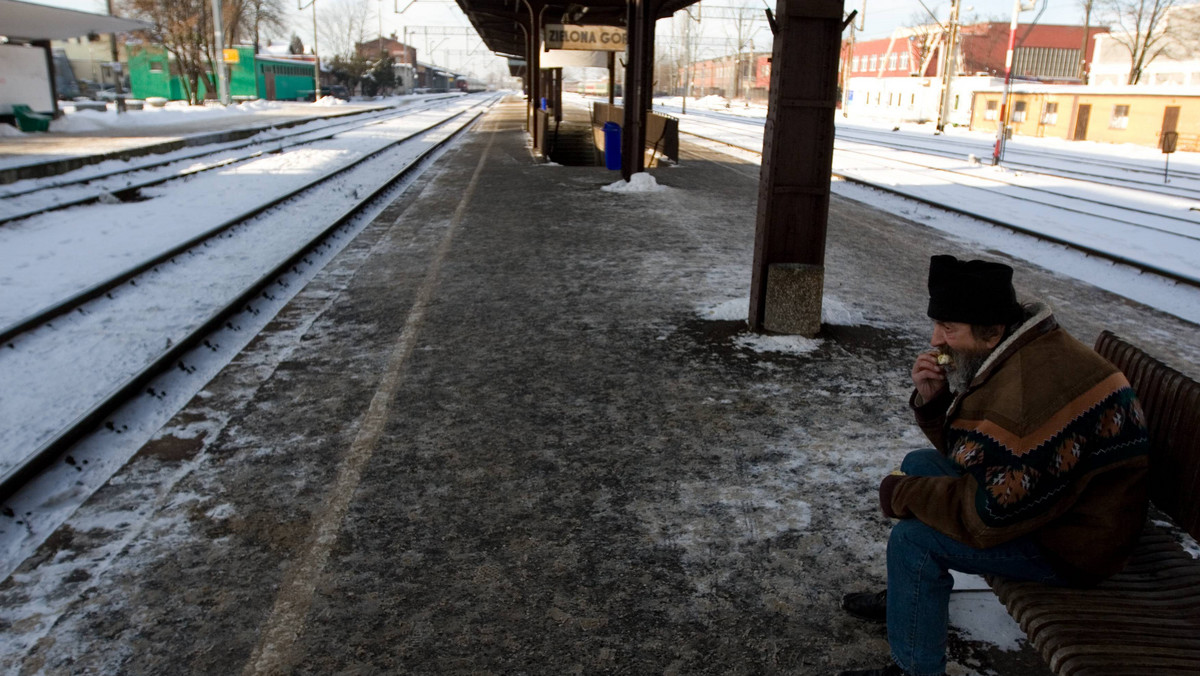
[{"x": 913, "y": 99}]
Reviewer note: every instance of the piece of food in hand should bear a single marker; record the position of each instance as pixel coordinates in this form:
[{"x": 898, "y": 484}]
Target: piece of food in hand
[{"x": 944, "y": 359}]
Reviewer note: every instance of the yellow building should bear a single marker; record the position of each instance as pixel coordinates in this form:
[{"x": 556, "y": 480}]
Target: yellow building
[{"x": 1134, "y": 114}]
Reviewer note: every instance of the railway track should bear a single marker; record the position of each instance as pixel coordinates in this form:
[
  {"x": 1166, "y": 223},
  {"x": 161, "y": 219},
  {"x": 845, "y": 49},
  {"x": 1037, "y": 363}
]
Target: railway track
[
  {"x": 1144, "y": 178},
  {"x": 1185, "y": 182},
  {"x": 86, "y": 186},
  {"x": 101, "y": 334},
  {"x": 1137, "y": 223}
]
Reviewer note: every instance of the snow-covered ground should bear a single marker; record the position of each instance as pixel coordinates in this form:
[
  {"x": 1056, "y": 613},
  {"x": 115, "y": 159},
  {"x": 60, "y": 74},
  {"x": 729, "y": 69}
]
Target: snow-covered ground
[{"x": 1137, "y": 223}]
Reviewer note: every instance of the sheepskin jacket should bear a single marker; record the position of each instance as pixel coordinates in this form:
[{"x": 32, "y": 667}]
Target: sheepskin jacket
[{"x": 1052, "y": 443}]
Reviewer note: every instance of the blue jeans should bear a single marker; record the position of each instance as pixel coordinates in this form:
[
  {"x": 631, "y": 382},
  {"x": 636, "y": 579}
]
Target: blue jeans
[{"x": 919, "y": 559}]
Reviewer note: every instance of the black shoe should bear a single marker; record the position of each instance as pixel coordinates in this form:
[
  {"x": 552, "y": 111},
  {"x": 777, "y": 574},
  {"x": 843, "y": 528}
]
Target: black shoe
[{"x": 870, "y": 606}]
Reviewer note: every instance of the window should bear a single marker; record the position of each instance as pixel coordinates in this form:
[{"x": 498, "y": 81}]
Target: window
[
  {"x": 1120, "y": 118},
  {"x": 854, "y": 64},
  {"x": 990, "y": 112},
  {"x": 1018, "y": 112},
  {"x": 874, "y": 61},
  {"x": 904, "y": 60},
  {"x": 1050, "y": 114},
  {"x": 892, "y": 61},
  {"x": 156, "y": 66},
  {"x": 956, "y": 101}
]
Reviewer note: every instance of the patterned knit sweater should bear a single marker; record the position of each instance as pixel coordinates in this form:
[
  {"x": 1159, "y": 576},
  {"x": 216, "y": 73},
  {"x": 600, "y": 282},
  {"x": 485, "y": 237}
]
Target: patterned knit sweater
[{"x": 1052, "y": 443}]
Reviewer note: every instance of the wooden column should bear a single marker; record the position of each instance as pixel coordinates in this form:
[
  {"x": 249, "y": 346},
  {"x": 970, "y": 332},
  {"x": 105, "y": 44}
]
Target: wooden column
[
  {"x": 639, "y": 70},
  {"x": 793, "y": 195},
  {"x": 533, "y": 70}
]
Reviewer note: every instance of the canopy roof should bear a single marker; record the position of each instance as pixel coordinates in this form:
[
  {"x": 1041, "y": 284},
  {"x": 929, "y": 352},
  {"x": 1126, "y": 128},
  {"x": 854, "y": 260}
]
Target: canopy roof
[
  {"x": 500, "y": 22},
  {"x": 27, "y": 21}
]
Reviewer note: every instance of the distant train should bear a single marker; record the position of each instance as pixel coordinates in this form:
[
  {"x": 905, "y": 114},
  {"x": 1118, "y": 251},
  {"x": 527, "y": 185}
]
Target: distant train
[{"x": 467, "y": 84}]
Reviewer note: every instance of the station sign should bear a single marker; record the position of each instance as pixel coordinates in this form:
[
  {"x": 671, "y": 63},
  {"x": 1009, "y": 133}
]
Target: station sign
[
  {"x": 229, "y": 55},
  {"x": 602, "y": 38}
]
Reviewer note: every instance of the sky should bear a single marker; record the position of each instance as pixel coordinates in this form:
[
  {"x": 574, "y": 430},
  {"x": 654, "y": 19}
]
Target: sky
[
  {"x": 71, "y": 256},
  {"x": 881, "y": 16}
]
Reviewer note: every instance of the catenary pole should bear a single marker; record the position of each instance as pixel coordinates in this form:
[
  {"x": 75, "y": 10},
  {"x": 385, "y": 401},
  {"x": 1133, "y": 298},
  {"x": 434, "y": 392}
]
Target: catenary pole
[
  {"x": 950, "y": 65},
  {"x": 1002, "y": 121}
]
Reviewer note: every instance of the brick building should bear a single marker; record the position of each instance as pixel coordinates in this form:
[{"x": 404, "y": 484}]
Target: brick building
[{"x": 899, "y": 78}]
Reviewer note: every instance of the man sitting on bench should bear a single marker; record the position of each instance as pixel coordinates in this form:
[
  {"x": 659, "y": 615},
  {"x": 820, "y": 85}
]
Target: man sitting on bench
[{"x": 1038, "y": 470}]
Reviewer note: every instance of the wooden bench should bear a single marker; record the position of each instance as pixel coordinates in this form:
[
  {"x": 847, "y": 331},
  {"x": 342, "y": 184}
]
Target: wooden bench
[{"x": 1144, "y": 621}]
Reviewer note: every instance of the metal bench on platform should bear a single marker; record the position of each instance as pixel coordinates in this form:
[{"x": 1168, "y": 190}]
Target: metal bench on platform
[{"x": 1146, "y": 619}]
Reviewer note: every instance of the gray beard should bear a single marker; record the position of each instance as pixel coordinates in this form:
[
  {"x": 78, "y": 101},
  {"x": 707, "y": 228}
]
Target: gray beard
[{"x": 966, "y": 366}]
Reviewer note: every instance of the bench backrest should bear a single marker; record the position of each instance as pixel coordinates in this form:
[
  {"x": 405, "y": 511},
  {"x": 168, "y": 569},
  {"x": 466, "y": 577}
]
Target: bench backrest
[{"x": 1171, "y": 402}]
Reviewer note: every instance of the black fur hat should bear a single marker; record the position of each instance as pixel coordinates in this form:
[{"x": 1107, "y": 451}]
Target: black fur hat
[{"x": 973, "y": 292}]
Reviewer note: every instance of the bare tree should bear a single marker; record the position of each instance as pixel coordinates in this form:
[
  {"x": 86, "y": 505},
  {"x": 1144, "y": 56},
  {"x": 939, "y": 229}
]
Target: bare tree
[
  {"x": 343, "y": 25},
  {"x": 1184, "y": 24},
  {"x": 925, "y": 39},
  {"x": 743, "y": 22},
  {"x": 255, "y": 19},
  {"x": 184, "y": 28},
  {"x": 1141, "y": 28}
]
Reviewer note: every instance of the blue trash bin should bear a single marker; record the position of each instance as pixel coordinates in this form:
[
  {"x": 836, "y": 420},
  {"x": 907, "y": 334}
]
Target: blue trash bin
[{"x": 612, "y": 145}]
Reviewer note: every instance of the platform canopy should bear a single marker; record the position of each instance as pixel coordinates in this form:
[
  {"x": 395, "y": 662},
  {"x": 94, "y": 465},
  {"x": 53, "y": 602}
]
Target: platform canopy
[
  {"x": 499, "y": 22},
  {"x": 27, "y": 21}
]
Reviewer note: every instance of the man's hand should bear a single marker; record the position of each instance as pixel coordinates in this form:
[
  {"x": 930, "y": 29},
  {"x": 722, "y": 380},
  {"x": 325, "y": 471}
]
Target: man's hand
[{"x": 928, "y": 377}]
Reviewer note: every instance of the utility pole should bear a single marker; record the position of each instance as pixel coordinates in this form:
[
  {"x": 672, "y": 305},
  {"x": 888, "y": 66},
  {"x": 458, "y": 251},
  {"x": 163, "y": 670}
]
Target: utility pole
[
  {"x": 950, "y": 64},
  {"x": 855, "y": 25},
  {"x": 219, "y": 38},
  {"x": 316, "y": 59},
  {"x": 687, "y": 53},
  {"x": 1083, "y": 51},
  {"x": 118, "y": 75}
]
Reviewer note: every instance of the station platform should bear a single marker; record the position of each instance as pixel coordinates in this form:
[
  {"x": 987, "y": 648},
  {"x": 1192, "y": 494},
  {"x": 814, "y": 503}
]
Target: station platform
[
  {"x": 41, "y": 154},
  {"x": 518, "y": 426}
]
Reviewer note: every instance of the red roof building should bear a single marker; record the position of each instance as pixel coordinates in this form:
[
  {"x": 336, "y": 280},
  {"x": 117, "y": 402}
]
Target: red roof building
[{"x": 1043, "y": 53}]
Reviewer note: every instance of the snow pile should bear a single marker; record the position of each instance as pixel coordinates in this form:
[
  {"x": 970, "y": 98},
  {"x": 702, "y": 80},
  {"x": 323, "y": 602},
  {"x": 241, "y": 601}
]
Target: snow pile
[
  {"x": 833, "y": 312},
  {"x": 728, "y": 311},
  {"x": 639, "y": 182},
  {"x": 329, "y": 101},
  {"x": 77, "y": 121},
  {"x": 784, "y": 344},
  {"x": 9, "y": 130}
]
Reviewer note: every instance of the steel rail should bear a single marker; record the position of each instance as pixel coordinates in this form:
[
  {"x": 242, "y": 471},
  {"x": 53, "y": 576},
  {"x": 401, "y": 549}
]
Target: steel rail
[
  {"x": 1147, "y": 186},
  {"x": 969, "y": 145},
  {"x": 1135, "y": 210},
  {"x": 322, "y": 134},
  {"x": 1082, "y": 248},
  {"x": 50, "y": 450},
  {"x": 69, "y": 303}
]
